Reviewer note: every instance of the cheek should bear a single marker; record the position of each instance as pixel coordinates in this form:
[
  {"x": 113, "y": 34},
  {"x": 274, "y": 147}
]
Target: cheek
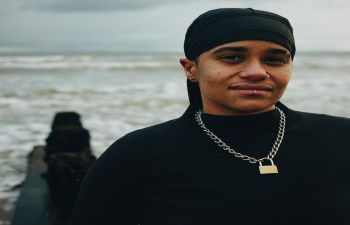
[
  {"x": 282, "y": 78},
  {"x": 207, "y": 76},
  {"x": 286, "y": 79},
  {"x": 213, "y": 75},
  {"x": 213, "y": 82}
]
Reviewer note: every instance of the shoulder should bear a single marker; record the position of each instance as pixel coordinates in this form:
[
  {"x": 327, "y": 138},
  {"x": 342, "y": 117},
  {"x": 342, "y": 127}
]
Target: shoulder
[
  {"x": 319, "y": 126},
  {"x": 324, "y": 120},
  {"x": 156, "y": 132},
  {"x": 299, "y": 121},
  {"x": 142, "y": 143},
  {"x": 314, "y": 122},
  {"x": 131, "y": 153}
]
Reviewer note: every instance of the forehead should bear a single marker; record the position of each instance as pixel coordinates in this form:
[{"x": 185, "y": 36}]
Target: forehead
[{"x": 249, "y": 45}]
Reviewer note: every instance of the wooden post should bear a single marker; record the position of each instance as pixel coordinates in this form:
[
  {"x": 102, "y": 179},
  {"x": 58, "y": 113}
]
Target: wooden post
[{"x": 32, "y": 207}]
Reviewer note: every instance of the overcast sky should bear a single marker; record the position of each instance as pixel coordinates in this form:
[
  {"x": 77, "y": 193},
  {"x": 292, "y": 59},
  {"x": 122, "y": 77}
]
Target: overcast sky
[{"x": 154, "y": 25}]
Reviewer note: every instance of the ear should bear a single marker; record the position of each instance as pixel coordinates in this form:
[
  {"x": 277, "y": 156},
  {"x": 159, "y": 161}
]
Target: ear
[{"x": 190, "y": 69}]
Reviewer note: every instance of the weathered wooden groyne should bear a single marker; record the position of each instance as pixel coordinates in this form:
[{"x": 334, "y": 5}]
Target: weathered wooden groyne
[{"x": 54, "y": 174}]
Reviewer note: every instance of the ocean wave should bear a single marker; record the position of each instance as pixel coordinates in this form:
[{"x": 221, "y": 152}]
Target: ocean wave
[
  {"x": 9, "y": 50},
  {"x": 323, "y": 61},
  {"x": 62, "y": 62}
]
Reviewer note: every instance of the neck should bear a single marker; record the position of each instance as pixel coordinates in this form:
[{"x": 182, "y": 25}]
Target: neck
[
  {"x": 235, "y": 112},
  {"x": 243, "y": 125}
]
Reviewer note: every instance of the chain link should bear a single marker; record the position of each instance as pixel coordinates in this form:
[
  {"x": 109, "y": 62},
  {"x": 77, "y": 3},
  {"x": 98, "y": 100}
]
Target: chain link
[{"x": 224, "y": 146}]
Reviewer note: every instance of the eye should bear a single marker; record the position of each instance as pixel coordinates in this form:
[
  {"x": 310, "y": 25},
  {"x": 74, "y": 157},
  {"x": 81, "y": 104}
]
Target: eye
[
  {"x": 231, "y": 58},
  {"x": 276, "y": 60}
]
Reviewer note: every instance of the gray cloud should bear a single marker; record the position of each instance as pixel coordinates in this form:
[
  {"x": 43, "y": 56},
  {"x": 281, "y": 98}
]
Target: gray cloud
[
  {"x": 8, "y": 7},
  {"x": 91, "y": 5}
]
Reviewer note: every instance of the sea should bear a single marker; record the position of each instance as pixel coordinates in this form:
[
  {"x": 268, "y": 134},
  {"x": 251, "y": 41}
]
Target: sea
[{"x": 116, "y": 93}]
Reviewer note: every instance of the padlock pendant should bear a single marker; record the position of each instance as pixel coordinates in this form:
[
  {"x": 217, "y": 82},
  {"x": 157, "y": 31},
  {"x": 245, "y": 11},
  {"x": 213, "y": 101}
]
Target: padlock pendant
[{"x": 268, "y": 169}]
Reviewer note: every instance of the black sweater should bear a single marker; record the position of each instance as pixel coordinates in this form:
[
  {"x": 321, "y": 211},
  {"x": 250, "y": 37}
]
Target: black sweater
[{"x": 173, "y": 174}]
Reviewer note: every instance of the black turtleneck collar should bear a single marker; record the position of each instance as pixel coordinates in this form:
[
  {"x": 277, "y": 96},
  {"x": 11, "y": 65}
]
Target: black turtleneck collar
[{"x": 263, "y": 123}]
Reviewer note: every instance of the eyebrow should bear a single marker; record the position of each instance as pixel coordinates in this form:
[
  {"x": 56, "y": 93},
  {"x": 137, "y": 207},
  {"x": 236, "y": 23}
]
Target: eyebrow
[
  {"x": 278, "y": 51},
  {"x": 244, "y": 49},
  {"x": 235, "y": 49}
]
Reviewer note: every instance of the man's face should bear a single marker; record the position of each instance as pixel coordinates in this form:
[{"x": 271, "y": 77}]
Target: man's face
[{"x": 242, "y": 77}]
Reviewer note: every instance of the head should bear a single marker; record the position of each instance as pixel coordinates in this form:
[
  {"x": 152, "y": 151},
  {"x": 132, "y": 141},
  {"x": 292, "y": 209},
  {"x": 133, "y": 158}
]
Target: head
[{"x": 238, "y": 61}]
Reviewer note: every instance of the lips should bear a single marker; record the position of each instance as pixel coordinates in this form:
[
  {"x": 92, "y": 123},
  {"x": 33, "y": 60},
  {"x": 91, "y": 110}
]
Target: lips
[
  {"x": 252, "y": 87},
  {"x": 257, "y": 90}
]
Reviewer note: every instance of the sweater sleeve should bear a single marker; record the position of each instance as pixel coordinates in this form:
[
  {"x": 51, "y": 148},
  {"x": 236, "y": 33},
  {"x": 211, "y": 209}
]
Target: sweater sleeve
[{"x": 111, "y": 191}]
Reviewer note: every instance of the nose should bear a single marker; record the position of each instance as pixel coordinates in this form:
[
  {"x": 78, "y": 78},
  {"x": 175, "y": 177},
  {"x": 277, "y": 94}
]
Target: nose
[{"x": 254, "y": 71}]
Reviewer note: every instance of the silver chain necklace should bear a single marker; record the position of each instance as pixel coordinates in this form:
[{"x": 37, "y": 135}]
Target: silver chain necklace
[{"x": 264, "y": 169}]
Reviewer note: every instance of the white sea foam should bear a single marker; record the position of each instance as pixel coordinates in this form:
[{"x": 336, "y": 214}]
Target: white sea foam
[{"x": 74, "y": 62}]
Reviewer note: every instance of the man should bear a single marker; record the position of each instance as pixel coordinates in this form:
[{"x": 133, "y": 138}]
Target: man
[{"x": 237, "y": 155}]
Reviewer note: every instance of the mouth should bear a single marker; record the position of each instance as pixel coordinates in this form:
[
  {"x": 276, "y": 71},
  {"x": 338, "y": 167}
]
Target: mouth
[{"x": 251, "y": 89}]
